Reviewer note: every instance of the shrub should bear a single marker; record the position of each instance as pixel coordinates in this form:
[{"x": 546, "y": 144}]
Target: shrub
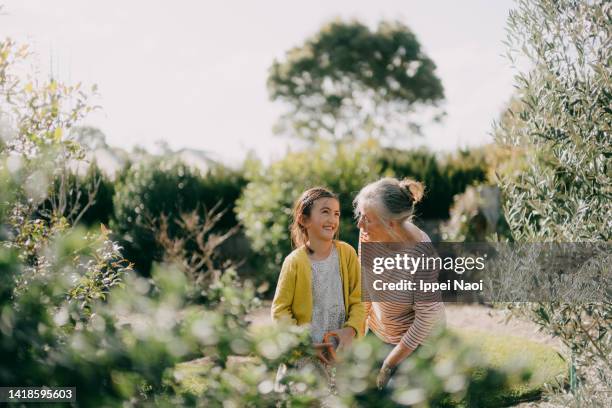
[
  {"x": 154, "y": 188},
  {"x": 34, "y": 163}
]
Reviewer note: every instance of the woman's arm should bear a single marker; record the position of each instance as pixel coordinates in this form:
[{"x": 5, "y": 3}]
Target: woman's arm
[
  {"x": 428, "y": 309},
  {"x": 427, "y": 315}
]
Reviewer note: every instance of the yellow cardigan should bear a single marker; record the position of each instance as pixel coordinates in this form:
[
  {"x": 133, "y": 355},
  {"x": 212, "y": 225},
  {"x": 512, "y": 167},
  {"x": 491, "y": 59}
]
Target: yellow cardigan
[{"x": 293, "y": 297}]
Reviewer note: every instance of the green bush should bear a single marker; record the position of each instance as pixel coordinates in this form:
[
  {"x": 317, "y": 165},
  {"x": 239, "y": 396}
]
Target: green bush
[
  {"x": 266, "y": 203},
  {"x": 154, "y": 188},
  {"x": 444, "y": 177}
]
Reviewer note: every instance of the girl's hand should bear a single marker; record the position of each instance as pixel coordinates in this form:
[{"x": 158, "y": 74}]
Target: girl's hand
[
  {"x": 321, "y": 352},
  {"x": 345, "y": 335}
]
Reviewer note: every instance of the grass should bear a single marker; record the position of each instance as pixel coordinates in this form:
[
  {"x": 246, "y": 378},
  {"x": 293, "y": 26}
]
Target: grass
[{"x": 510, "y": 353}]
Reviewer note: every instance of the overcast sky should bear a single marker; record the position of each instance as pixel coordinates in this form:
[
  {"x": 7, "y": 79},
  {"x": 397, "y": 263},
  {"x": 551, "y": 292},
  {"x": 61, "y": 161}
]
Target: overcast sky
[{"x": 193, "y": 73}]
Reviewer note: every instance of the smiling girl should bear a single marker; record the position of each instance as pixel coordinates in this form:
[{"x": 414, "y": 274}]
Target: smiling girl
[{"x": 320, "y": 281}]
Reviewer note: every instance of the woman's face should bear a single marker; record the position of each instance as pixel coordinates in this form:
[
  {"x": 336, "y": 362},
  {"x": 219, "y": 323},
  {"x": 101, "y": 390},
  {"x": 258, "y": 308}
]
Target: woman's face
[{"x": 372, "y": 226}]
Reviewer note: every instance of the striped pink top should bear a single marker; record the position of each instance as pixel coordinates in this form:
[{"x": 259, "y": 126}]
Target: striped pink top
[{"x": 410, "y": 323}]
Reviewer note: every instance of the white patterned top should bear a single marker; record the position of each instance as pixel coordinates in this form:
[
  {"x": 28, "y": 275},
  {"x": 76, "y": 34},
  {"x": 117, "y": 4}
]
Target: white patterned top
[{"x": 328, "y": 311}]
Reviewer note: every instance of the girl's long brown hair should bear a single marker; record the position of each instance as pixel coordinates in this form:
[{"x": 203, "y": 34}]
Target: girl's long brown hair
[{"x": 302, "y": 209}]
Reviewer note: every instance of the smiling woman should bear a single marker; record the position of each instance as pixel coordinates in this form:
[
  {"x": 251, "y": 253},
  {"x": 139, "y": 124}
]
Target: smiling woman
[{"x": 385, "y": 209}]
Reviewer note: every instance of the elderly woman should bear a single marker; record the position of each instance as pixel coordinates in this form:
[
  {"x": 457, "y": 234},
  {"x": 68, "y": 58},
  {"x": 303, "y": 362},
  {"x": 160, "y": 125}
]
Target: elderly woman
[{"x": 385, "y": 210}]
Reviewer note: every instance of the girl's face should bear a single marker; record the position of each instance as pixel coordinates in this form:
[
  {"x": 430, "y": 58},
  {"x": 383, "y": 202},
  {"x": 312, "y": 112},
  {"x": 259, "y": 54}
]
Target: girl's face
[
  {"x": 372, "y": 226},
  {"x": 324, "y": 219}
]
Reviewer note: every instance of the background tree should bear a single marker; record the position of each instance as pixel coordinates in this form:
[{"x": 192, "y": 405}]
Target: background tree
[{"x": 348, "y": 81}]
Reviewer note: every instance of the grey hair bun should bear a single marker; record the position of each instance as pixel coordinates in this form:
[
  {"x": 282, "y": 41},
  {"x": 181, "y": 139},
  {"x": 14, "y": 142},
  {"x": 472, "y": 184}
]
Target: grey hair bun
[{"x": 413, "y": 188}]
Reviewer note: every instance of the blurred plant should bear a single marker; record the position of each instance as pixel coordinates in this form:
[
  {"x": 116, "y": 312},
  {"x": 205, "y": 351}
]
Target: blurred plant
[
  {"x": 36, "y": 115},
  {"x": 196, "y": 250},
  {"x": 127, "y": 351},
  {"x": 98, "y": 270},
  {"x": 348, "y": 82},
  {"x": 46, "y": 197},
  {"x": 445, "y": 372},
  {"x": 564, "y": 195}
]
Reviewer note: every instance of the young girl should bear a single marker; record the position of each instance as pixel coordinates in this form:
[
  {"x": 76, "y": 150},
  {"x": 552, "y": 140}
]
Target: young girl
[{"x": 320, "y": 281}]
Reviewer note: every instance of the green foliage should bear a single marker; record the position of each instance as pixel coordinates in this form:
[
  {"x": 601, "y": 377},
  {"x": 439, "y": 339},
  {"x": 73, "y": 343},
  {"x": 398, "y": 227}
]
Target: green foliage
[
  {"x": 128, "y": 347},
  {"x": 565, "y": 193},
  {"x": 34, "y": 161},
  {"x": 39, "y": 112},
  {"x": 347, "y": 81},
  {"x": 444, "y": 177},
  {"x": 457, "y": 369},
  {"x": 266, "y": 203},
  {"x": 564, "y": 120},
  {"x": 99, "y": 267},
  {"x": 155, "y": 188}
]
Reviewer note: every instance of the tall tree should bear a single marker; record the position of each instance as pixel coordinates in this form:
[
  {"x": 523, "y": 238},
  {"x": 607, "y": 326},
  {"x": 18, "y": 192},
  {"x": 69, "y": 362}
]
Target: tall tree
[{"x": 348, "y": 81}]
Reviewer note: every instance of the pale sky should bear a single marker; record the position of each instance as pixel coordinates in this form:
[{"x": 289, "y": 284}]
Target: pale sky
[{"x": 193, "y": 73}]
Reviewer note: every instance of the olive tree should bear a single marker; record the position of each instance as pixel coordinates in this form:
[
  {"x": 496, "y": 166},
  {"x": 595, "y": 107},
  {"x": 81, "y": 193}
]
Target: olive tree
[{"x": 565, "y": 194}]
